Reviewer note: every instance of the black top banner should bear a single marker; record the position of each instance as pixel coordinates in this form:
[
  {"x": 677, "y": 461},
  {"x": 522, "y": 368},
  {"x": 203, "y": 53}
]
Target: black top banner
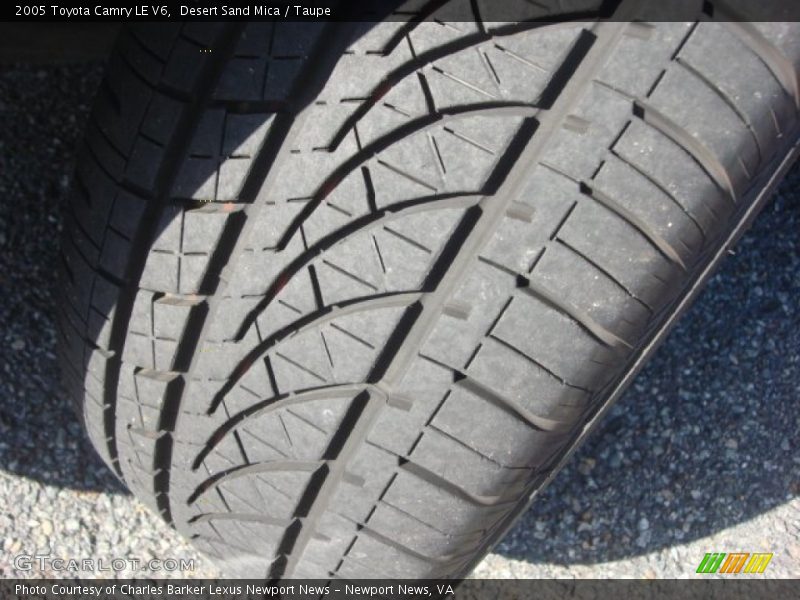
[
  {"x": 735, "y": 588},
  {"x": 401, "y": 10}
]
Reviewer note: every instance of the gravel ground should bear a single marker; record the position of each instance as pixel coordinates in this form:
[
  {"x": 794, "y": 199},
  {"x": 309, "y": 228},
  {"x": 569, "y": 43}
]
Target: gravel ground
[{"x": 700, "y": 455}]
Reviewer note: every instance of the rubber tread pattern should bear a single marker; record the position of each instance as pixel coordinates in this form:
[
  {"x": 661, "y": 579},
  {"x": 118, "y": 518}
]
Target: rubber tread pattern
[{"x": 320, "y": 316}]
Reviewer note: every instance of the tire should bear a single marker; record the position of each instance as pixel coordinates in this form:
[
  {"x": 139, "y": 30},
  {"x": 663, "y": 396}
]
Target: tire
[{"x": 340, "y": 300}]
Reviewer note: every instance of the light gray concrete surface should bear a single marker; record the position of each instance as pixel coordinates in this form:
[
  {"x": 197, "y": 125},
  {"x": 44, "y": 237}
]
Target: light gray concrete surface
[{"x": 700, "y": 455}]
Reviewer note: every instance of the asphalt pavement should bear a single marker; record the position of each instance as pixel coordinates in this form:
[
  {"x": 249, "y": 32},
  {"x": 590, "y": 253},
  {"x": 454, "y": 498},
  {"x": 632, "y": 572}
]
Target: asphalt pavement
[{"x": 702, "y": 454}]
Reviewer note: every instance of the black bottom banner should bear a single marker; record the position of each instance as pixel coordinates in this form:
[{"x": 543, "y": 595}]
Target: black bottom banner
[{"x": 470, "y": 589}]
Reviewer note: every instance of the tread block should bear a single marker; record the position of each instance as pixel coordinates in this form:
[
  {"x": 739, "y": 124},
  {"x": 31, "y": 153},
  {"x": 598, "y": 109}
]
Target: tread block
[
  {"x": 280, "y": 491},
  {"x": 651, "y": 206},
  {"x": 580, "y": 284},
  {"x": 412, "y": 533},
  {"x": 745, "y": 83},
  {"x": 485, "y": 290},
  {"x": 434, "y": 505},
  {"x": 128, "y": 99},
  {"x": 510, "y": 372},
  {"x": 619, "y": 250},
  {"x": 498, "y": 434},
  {"x": 296, "y": 432},
  {"x": 368, "y": 474},
  {"x": 182, "y": 249},
  {"x": 575, "y": 356},
  {"x": 463, "y": 466},
  {"x": 157, "y": 324},
  {"x": 423, "y": 387},
  {"x": 313, "y": 356},
  {"x": 394, "y": 564},
  {"x": 727, "y": 137},
  {"x": 674, "y": 169}
]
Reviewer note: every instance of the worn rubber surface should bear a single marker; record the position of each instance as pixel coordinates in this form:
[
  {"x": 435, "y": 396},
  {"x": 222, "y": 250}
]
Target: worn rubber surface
[{"x": 339, "y": 298}]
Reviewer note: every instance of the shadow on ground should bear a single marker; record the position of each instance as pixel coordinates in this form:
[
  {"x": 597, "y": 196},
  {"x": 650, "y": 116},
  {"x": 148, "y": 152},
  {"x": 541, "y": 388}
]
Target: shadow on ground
[
  {"x": 42, "y": 115},
  {"x": 705, "y": 438}
]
